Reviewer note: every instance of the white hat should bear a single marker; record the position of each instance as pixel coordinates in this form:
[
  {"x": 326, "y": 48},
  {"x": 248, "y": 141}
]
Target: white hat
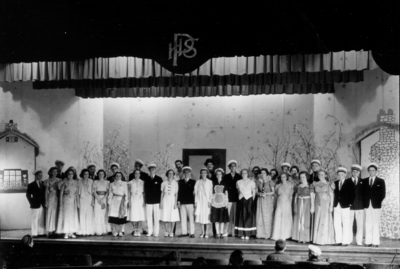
[
  {"x": 356, "y": 167},
  {"x": 115, "y": 164},
  {"x": 59, "y": 161},
  {"x": 152, "y": 165},
  {"x": 139, "y": 161},
  {"x": 316, "y": 161},
  {"x": 219, "y": 169},
  {"x": 373, "y": 165},
  {"x": 232, "y": 161},
  {"x": 187, "y": 168},
  {"x": 315, "y": 250},
  {"x": 90, "y": 165},
  {"x": 204, "y": 169},
  {"x": 341, "y": 169},
  {"x": 37, "y": 171},
  {"x": 285, "y": 165}
]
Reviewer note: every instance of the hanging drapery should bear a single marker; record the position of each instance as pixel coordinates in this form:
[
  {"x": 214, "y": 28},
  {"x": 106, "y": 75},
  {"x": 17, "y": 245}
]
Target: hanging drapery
[{"x": 133, "y": 77}]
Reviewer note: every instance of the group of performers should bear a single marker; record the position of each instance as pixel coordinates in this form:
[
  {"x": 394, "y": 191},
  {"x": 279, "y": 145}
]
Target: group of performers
[{"x": 303, "y": 206}]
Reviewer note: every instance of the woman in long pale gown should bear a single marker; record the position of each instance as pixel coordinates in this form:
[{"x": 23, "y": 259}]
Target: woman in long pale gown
[
  {"x": 117, "y": 201},
  {"x": 69, "y": 205},
  {"x": 60, "y": 220},
  {"x": 203, "y": 192},
  {"x": 265, "y": 204},
  {"x": 136, "y": 204},
  {"x": 283, "y": 219},
  {"x": 52, "y": 202},
  {"x": 169, "y": 213},
  {"x": 245, "y": 225},
  {"x": 323, "y": 220},
  {"x": 85, "y": 204},
  {"x": 101, "y": 188},
  {"x": 303, "y": 210}
]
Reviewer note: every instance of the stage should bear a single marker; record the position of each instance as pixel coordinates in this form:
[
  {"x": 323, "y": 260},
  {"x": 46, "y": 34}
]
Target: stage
[{"x": 143, "y": 250}]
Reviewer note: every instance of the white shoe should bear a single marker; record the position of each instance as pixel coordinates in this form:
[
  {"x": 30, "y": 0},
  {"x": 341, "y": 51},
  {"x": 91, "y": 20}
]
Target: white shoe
[
  {"x": 149, "y": 234},
  {"x": 242, "y": 238},
  {"x": 66, "y": 236},
  {"x": 247, "y": 238},
  {"x": 73, "y": 236}
]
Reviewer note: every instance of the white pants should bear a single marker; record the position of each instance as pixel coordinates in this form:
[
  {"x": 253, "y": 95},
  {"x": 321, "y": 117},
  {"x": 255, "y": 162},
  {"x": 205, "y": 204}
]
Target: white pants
[
  {"x": 358, "y": 215},
  {"x": 341, "y": 223},
  {"x": 372, "y": 219},
  {"x": 153, "y": 211},
  {"x": 187, "y": 211},
  {"x": 232, "y": 217},
  {"x": 38, "y": 217}
]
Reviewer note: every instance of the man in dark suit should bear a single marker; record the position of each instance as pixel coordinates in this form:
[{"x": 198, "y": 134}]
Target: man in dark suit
[
  {"x": 357, "y": 208},
  {"x": 344, "y": 193},
  {"x": 315, "y": 167},
  {"x": 209, "y": 164},
  {"x": 186, "y": 201},
  {"x": 374, "y": 192},
  {"x": 60, "y": 165},
  {"x": 152, "y": 195},
  {"x": 36, "y": 198},
  {"x": 233, "y": 197}
]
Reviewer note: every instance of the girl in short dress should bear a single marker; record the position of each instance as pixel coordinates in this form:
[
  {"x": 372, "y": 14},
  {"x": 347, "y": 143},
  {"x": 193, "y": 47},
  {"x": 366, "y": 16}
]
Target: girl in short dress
[
  {"x": 100, "y": 192},
  {"x": 203, "y": 192},
  {"x": 219, "y": 203},
  {"x": 169, "y": 199},
  {"x": 136, "y": 205},
  {"x": 51, "y": 202},
  {"x": 117, "y": 201}
]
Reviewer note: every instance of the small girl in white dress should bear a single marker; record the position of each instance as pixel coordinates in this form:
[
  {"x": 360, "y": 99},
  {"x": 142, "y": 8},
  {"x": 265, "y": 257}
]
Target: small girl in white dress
[
  {"x": 136, "y": 204},
  {"x": 203, "y": 191},
  {"x": 169, "y": 209}
]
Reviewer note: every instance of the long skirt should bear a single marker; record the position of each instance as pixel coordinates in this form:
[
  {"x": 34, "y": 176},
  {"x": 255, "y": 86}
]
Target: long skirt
[
  {"x": 265, "y": 215},
  {"x": 323, "y": 233},
  {"x": 86, "y": 216},
  {"x": 219, "y": 215},
  {"x": 100, "y": 218},
  {"x": 245, "y": 218},
  {"x": 302, "y": 224},
  {"x": 117, "y": 212},
  {"x": 51, "y": 212},
  {"x": 70, "y": 223}
]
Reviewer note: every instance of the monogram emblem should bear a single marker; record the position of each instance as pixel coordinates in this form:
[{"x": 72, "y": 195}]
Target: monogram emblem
[{"x": 186, "y": 49}]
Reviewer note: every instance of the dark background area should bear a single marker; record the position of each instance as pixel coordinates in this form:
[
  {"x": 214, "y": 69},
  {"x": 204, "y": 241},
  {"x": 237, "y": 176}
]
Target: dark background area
[{"x": 74, "y": 30}]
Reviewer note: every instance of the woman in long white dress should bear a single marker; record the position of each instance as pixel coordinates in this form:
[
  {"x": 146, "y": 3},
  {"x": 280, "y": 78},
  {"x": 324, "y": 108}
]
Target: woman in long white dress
[
  {"x": 85, "y": 203},
  {"x": 52, "y": 202},
  {"x": 101, "y": 188},
  {"x": 69, "y": 205},
  {"x": 283, "y": 218},
  {"x": 136, "y": 204},
  {"x": 203, "y": 191},
  {"x": 117, "y": 201},
  {"x": 169, "y": 213}
]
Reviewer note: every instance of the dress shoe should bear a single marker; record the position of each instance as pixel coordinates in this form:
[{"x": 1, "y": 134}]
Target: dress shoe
[
  {"x": 144, "y": 232},
  {"x": 368, "y": 246},
  {"x": 345, "y": 245},
  {"x": 339, "y": 244},
  {"x": 375, "y": 246},
  {"x": 192, "y": 236},
  {"x": 183, "y": 235}
]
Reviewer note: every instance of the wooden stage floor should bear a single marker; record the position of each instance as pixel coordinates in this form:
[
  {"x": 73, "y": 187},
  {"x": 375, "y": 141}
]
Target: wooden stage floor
[{"x": 133, "y": 250}]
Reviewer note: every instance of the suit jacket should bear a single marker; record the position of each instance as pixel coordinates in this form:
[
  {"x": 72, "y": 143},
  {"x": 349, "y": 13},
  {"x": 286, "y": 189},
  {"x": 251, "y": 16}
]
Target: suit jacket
[
  {"x": 358, "y": 203},
  {"x": 186, "y": 191},
  {"x": 345, "y": 196},
  {"x": 152, "y": 190},
  {"x": 233, "y": 194},
  {"x": 313, "y": 178},
  {"x": 374, "y": 194},
  {"x": 36, "y": 195},
  {"x": 280, "y": 256},
  {"x": 61, "y": 175}
]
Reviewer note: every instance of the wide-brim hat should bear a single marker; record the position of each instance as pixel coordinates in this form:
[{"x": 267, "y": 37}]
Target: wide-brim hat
[
  {"x": 375, "y": 165},
  {"x": 152, "y": 165},
  {"x": 37, "y": 172},
  {"x": 203, "y": 169},
  {"x": 285, "y": 165},
  {"x": 59, "y": 162},
  {"x": 115, "y": 164},
  {"x": 139, "y": 161},
  {"x": 187, "y": 168},
  {"x": 231, "y": 162},
  {"x": 356, "y": 167},
  {"x": 316, "y": 161},
  {"x": 341, "y": 169}
]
